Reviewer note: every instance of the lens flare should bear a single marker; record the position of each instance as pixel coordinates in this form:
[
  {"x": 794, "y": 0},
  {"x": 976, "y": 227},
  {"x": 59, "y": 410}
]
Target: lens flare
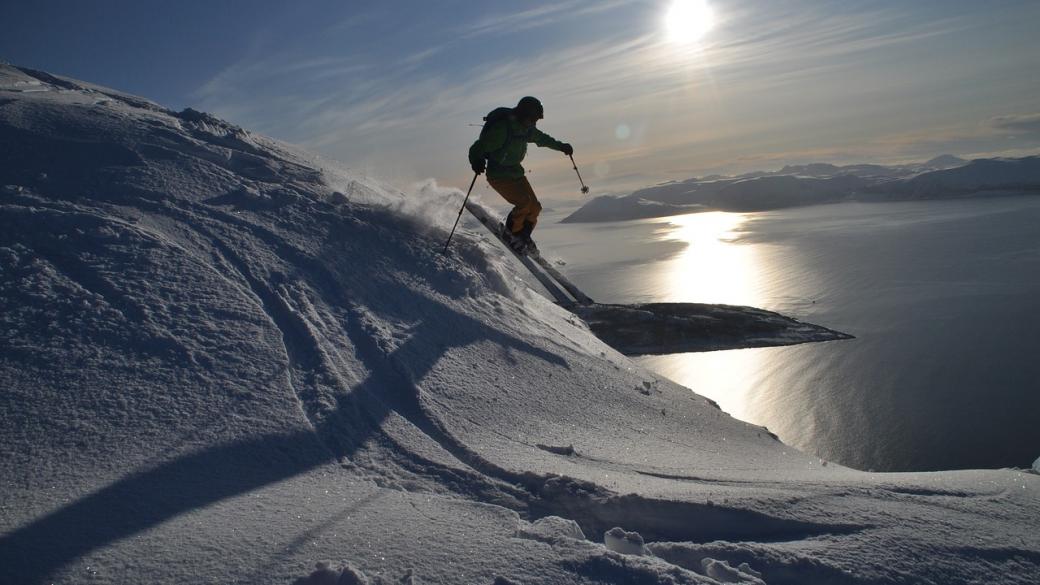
[{"x": 688, "y": 21}]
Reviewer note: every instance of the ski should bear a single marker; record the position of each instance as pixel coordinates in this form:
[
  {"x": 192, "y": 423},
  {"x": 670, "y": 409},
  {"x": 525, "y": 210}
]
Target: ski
[
  {"x": 575, "y": 292},
  {"x": 543, "y": 276}
]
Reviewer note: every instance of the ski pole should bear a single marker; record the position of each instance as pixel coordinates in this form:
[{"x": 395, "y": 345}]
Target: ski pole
[
  {"x": 473, "y": 182},
  {"x": 584, "y": 189}
]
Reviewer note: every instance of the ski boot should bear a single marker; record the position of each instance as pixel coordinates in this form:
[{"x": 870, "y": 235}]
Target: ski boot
[
  {"x": 516, "y": 242},
  {"x": 525, "y": 234},
  {"x": 508, "y": 237},
  {"x": 528, "y": 247}
]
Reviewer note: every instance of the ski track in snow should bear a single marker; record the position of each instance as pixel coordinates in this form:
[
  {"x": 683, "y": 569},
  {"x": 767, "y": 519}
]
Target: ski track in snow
[{"x": 256, "y": 372}]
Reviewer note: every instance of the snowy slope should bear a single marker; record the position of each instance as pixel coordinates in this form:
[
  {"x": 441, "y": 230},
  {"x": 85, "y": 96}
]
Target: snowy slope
[{"x": 224, "y": 361}]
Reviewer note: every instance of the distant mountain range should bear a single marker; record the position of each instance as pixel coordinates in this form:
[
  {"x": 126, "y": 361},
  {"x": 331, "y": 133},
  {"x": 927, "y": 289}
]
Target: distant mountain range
[{"x": 943, "y": 177}]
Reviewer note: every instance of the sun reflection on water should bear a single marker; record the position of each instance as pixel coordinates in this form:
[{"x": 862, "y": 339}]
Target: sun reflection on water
[{"x": 712, "y": 268}]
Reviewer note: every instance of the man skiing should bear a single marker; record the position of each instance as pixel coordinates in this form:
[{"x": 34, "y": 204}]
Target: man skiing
[{"x": 500, "y": 150}]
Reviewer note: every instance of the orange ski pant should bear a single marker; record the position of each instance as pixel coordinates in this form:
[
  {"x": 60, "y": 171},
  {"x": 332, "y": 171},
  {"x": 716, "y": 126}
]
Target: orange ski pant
[{"x": 525, "y": 204}]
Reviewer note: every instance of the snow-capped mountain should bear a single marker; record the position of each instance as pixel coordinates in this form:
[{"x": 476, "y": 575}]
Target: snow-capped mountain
[
  {"x": 943, "y": 177},
  {"x": 226, "y": 361},
  {"x": 979, "y": 177}
]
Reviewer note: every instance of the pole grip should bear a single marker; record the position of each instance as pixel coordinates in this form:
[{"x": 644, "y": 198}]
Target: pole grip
[{"x": 584, "y": 189}]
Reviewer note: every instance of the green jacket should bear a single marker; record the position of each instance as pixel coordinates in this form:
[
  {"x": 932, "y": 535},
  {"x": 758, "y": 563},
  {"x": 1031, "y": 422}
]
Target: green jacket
[{"x": 504, "y": 144}]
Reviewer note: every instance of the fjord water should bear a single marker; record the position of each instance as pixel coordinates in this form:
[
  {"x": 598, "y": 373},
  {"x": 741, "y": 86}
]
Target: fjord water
[{"x": 942, "y": 296}]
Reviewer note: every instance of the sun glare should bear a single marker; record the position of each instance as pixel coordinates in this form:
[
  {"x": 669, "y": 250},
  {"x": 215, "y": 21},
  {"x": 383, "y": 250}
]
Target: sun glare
[
  {"x": 711, "y": 269},
  {"x": 688, "y": 21}
]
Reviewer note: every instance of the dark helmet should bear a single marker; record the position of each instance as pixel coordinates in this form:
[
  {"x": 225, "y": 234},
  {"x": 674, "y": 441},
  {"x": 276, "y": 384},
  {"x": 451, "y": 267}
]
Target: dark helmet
[{"x": 529, "y": 108}]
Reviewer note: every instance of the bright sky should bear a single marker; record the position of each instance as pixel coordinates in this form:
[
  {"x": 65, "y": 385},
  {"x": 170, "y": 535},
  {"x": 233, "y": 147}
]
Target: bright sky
[{"x": 396, "y": 87}]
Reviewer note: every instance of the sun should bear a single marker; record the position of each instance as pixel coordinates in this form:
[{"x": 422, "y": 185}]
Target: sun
[{"x": 688, "y": 21}]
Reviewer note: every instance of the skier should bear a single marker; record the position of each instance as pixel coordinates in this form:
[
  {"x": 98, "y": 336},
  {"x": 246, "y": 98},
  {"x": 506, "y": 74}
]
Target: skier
[{"x": 500, "y": 150}]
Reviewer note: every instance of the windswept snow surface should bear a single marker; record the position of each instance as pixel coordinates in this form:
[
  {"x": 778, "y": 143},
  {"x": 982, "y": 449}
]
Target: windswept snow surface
[{"x": 223, "y": 362}]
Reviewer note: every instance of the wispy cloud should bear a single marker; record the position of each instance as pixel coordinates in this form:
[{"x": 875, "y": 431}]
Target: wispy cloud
[
  {"x": 531, "y": 18},
  {"x": 1027, "y": 124},
  {"x": 419, "y": 57},
  {"x": 779, "y": 79},
  {"x": 781, "y": 45}
]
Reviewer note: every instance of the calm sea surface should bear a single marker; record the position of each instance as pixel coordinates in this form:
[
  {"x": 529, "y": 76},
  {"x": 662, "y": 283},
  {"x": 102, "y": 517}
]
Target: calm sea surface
[{"x": 943, "y": 297}]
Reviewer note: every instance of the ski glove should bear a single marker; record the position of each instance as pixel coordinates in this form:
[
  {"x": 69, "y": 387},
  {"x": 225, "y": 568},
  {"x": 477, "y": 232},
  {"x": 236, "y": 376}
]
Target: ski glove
[
  {"x": 567, "y": 149},
  {"x": 479, "y": 166}
]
